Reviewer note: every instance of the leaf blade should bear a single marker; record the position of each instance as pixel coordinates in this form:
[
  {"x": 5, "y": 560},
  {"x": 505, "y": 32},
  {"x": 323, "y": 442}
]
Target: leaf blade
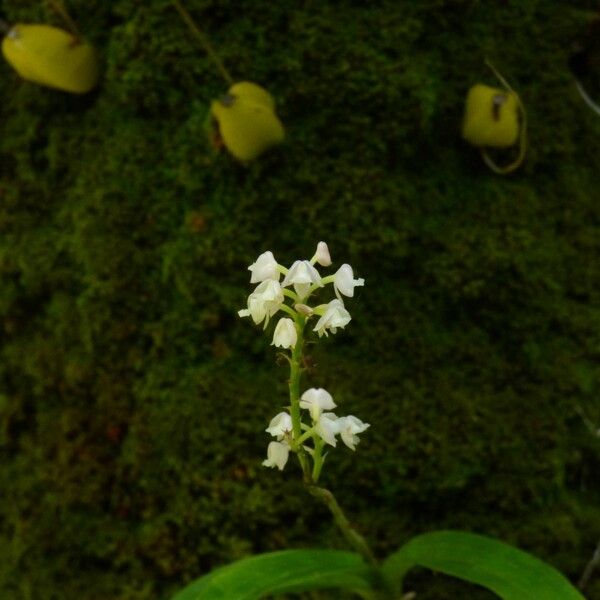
[
  {"x": 507, "y": 571},
  {"x": 280, "y": 572}
]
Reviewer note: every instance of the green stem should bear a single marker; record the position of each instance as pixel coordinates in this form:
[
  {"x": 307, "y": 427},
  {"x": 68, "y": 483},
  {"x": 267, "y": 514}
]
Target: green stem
[
  {"x": 288, "y": 310},
  {"x": 381, "y": 589},
  {"x": 290, "y": 294},
  {"x": 317, "y": 459},
  {"x": 294, "y": 385},
  {"x": 308, "y": 433},
  {"x": 324, "y": 282},
  {"x": 354, "y": 538}
]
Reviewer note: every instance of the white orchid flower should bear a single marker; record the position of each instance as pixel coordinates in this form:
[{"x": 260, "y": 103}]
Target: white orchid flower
[
  {"x": 344, "y": 281},
  {"x": 280, "y": 425},
  {"x": 302, "y": 275},
  {"x": 265, "y": 267},
  {"x": 316, "y": 400},
  {"x": 322, "y": 255},
  {"x": 263, "y": 302},
  {"x": 277, "y": 455},
  {"x": 285, "y": 335},
  {"x": 327, "y": 428},
  {"x": 335, "y": 316},
  {"x": 348, "y": 427}
]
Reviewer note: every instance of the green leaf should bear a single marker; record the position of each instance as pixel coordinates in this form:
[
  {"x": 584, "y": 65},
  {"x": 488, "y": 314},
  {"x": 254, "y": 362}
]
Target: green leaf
[
  {"x": 503, "y": 569},
  {"x": 281, "y": 572}
]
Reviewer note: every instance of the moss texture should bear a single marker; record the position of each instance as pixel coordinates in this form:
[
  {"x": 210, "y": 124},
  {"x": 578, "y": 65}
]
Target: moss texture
[{"x": 133, "y": 400}]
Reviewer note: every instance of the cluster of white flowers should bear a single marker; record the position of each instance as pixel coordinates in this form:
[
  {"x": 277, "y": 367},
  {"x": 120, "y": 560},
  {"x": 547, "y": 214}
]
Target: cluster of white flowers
[
  {"x": 269, "y": 295},
  {"x": 265, "y": 301},
  {"x": 326, "y": 425}
]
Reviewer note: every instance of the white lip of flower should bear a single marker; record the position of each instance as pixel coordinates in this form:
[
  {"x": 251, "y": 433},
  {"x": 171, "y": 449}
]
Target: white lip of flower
[
  {"x": 316, "y": 400},
  {"x": 280, "y": 425},
  {"x": 277, "y": 455},
  {"x": 322, "y": 255},
  {"x": 285, "y": 335},
  {"x": 265, "y": 267},
  {"x": 335, "y": 316},
  {"x": 263, "y": 302},
  {"x": 302, "y": 275},
  {"x": 327, "y": 428},
  {"x": 344, "y": 281},
  {"x": 348, "y": 427}
]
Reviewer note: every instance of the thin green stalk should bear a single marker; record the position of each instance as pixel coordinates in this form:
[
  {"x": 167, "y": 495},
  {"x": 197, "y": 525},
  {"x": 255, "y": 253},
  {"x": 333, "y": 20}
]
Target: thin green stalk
[
  {"x": 204, "y": 42},
  {"x": 354, "y": 538},
  {"x": 317, "y": 459},
  {"x": 294, "y": 385},
  {"x": 285, "y": 308},
  {"x": 382, "y": 590},
  {"x": 287, "y": 292}
]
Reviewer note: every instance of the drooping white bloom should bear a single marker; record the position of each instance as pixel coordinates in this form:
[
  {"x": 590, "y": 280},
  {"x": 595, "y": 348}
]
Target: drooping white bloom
[
  {"x": 302, "y": 275},
  {"x": 322, "y": 255},
  {"x": 348, "y": 427},
  {"x": 344, "y": 281},
  {"x": 285, "y": 335},
  {"x": 264, "y": 301},
  {"x": 265, "y": 267},
  {"x": 280, "y": 424},
  {"x": 277, "y": 455},
  {"x": 335, "y": 316},
  {"x": 327, "y": 428},
  {"x": 316, "y": 400}
]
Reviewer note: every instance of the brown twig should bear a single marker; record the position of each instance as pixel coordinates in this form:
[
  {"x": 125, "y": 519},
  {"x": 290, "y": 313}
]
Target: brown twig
[
  {"x": 590, "y": 568},
  {"x": 185, "y": 15}
]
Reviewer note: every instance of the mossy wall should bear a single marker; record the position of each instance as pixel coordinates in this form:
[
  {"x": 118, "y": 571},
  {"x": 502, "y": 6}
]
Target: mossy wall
[{"x": 134, "y": 400}]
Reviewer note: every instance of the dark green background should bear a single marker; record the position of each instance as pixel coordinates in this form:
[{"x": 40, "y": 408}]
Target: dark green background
[{"x": 133, "y": 400}]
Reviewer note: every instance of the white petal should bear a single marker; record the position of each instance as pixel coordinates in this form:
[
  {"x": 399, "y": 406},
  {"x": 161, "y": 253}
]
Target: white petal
[
  {"x": 265, "y": 301},
  {"x": 285, "y": 335},
  {"x": 277, "y": 455},
  {"x": 348, "y": 427},
  {"x": 280, "y": 424},
  {"x": 344, "y": 281},
  {"x": 301, "y": 272},
  {"x": 316, "y": 400},
  {"x": 264, "y": 268},
  {"x": 301, "y": 289},
  {"x": 327, "y": 428},
  {"x": 335, "y": 316}
]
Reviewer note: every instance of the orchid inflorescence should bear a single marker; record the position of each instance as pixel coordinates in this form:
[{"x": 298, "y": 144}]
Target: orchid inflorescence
[{"x": 288, "y": 428}]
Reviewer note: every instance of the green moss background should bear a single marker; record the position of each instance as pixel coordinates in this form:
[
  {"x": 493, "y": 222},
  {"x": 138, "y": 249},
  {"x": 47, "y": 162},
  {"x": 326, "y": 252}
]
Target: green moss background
[{"x": 133, "y": 401}]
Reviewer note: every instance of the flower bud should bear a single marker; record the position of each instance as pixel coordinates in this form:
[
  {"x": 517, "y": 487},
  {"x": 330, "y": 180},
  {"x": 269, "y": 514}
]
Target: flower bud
[
  {"x": 303, "y": 309},
  {"x": 322, "y": 254}
]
